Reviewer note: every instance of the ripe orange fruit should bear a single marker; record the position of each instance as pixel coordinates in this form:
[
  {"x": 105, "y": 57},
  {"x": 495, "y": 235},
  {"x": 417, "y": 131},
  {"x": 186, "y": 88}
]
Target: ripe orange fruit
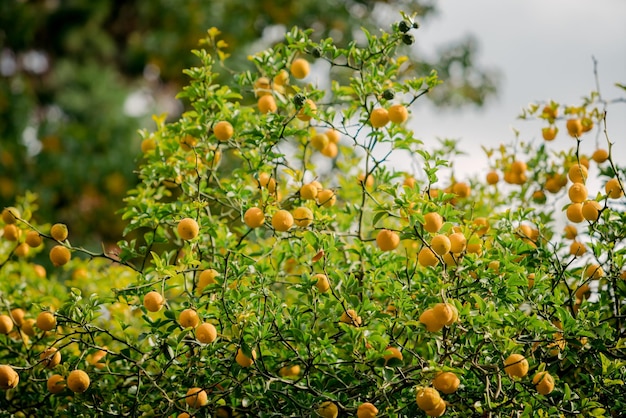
[
  {"x": 27, "y": 327},
  {"x": 267, "y": 104},
  {"x": 188, "y": 229},
  {"x": 262, "y": 87},
  {"x": 516, "y": 365},
  {"x": 594, "y": 271},
  {"x": 326, "y": 198},
  {"x": 446, "y": 382},
  {"x": 328, "y": 410},
  {"x": 60, "y": 255},
  {"x": 458, "y": 242},
  {"x": 333, "y": 135},
  {"x": 308, "y": 191},
  {"x": 243, "y": 360},
  {"x": 50, "y": 357},
  {"x": 206, "y": 333},
  {"x": 206, "y": 278},
  {"x": 398, "y": 113},
  {"x": 303, "y": 216},
  {"x": 254, "y": 217},
  {"x": 18, "y": 316},
  {"x": 223, "y": 130},
  {"x": 600, "y": 155},
  {"x": 577, "y": 193},
  {"x": 518, "y": 167},
  {"x": 574, "y": 213},
  {"x": 282, "y": 220},
  {"x": 427, "y": 258},
  {"x": 613, "y": 189},
  {"x": 441, "y": 244},
  {"x": 59, "y": 232},
  {"x": 300, "y": 68},
  {"x": 331, "y": 150},
  {"x": 387, "y": 240},
  {"x": 366, "y": 410},
  {"x": 591, "y": 210},
  {"x": 392, "y": 352},
  {"x": 22, "y": 250},
  {"x": 549, "y": 133},
  {"x": 8, "y": 377},
  {"x": 429, "y": 319},
  {"x": 189, "y": 318},
  {"x": 153, "y": 301},
  {"x": 46, "y": 321},
  {"x": 427, "y": 398},
  {"x": 78, "y": 381},
  {"x": 445, "y": 313},
  {"x": 550, "y": 112},
  {"x": 482, "y": 226},
  {"x": 544, "y": 382},
  {"x": 282, "y": 78},
  {"x": 33, "y": 239},
  {"x": 433, "y": 222},
  {"x": 577, "y": 249},
  {"x": 570, "y": 231},
  {"x": 322, "y": 284},
  {"x": 290, "y": 371},
  {"x": 196, "y": 397},
  {"x": 306, "y": 112},
  {"x": 587, "y": 124},
  {"x": 267, "y": 181},
  {"x": 369, "y": 182},
  {"x": 574, "y": 127},
  {"x": 379, "y": 117},
  {"x": 12, "y": 232},
  {"x": 319, "y": 141},
  {"x": 6, "y": 324},
  {"x": 461, "y": 189},
  {"x": 437, "y": 411},
  {"x": 578, "y": 173},
  {"x": 55, "y": 384},
  {"x": 350, "y": 317},
  {"x": 493, "y": 177}
]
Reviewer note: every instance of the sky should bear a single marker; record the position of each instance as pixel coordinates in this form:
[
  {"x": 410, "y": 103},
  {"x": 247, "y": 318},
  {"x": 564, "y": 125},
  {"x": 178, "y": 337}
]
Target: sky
[{"x": 544, "y": 51}]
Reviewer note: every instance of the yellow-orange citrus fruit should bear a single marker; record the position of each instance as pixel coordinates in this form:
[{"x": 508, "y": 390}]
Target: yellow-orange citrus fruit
[
  {"x": 55, "y": 384},
  {"x": 333, "y": 135},
  {"x": 254, "y": 217},
  {"x": 594, "y": 271},
  {"x": 27, "y": 327},
  {"x": 290, "y": 371},
  {"x": 206, "y": 333},
  {"x": 206, "y": 278},
  {"x": 427, "y": 398},
  {"x": 33, "y": 239},
  {"x": 587, "y": 124},
  {"x": 326, "y": 198},
  {"x": 613, "y": 189},
  {"x": 322, "y": 283},
  {"x": 433, "y": 222},
  {"x": 350, "y": 317},
  {"x": 223, "y": 130},
  {"x": 583, "y": 292},
  {"x": 188, "y": 229},
  {"x": 328, "y": 410},
  {"x": 153, "y": 301},
  {"x": 309, "y": 108},
  {"x": 392, "y": 353},
  {"x": 6, "y": 324},
  {"x": 282, "y": 220},
  {"x": 578, "y": 173},
  {"x": 591, "y": 210},
  {"x": 196, "y": 397},
  {"x": 262, "y": 87},
  {"x": 369, "y": 182},
  {"x": 493, "y": 177},
  {"x": 303, "y": 216},
  {"x": 22, "y": 250},
  {"x": 11, "y": 232},
  {"x": 331, "y": 150},
  {"x": 441, "y": 244},
  {"x": 50, "y": 357},
  {"x": 189, "y": 318},
  {"x": 600, "y": 155},
  {"x": 300, "y": 68},
  {"x": 308, "y": 191},
  {"x": 94, "y": 358},
  {"x": 550, "y": 112},
  {"x": 10, "y": 215},
  {"x": 427, "y": 258},
  {"x": 444, "y": 313},
  {"x": 446, "y": 382},
  {"x": 60, "y": 255},
  {"x": 574, "y": 213},
  {"x": 398, "y": 113},
  {"x": 458, "y": 242},
  {"x": 282, "y": 78},
  {"x": 549, "y": 132},
  {"x": 319, "y": 141},
  {"x": 18, "y": 316},
  {"x": 379, "y": 117},
  {"x": 429, "y": 319},
  {"x": 366, "y": 410},
  {"x": 574, "y": 127},
  {"x": 482, "y": 225},
  {"x": 46, "y": 321},
  {"x": 516, "y": 365},
  {"x": 437, "y": 411},
  {"x": 577, "y": 248},
  {"x": 461, "y": 189},
  {"x": 544, "y": 382},
  {"x": 8, "y": 377},
  {"x": 78, "y": 381},
  {"x": 243, "y": 360},
  {"x": 267, "y": 104},
  {"x": 577, "y": 193},
  {"x": 518, "y": 167},
  {"x": 570, "y": 231},
  {"x": 387, "y": 240},
  {"x": 59, "y": 232}
]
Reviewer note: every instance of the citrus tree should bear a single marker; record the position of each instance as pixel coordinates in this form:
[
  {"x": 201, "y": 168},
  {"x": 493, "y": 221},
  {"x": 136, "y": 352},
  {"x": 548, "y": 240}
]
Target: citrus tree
[{"x": 279, "y": 261}]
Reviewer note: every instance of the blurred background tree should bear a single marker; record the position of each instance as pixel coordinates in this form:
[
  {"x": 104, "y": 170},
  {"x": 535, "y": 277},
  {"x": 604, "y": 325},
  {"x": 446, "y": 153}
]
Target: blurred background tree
[{"x": 79, "y": 77}]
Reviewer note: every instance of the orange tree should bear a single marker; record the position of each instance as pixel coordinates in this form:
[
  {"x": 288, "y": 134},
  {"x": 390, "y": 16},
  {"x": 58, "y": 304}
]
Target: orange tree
[{"x": 278, "y": 264}]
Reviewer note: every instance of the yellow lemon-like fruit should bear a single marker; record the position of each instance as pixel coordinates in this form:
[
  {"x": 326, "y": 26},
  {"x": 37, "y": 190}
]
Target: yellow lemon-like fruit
[
  {"x": 427, "y": 258},
  {"x": 282, "y": 220},
  {"x": 153, "y": 301},
  {"x": 446, "y": 382},
  {"x": 50, "y": 357},
  {"x": 328, "y": 410},
  {"x": 441, "y": 244},
  {"x": 438, "y": 410},
  {"x": 398, "y": 113},
  {"x": 366, "y": 410},
  {"x": 206, "y": 333},
  {"x": 308, "y": 109},
  {"x": 59, "y": 232},
  {"x": 427, "y": 398},
  {"x": 578, "y": 173},
  {"x": 10, "y": 215},
  {"x": 46, "y": 321},
  {"x": 6, "y": 324},
  {"x": 33, "y": 239},
  {"x": 78, "y": 381},
  {"x": 55, "y": 384},
  {"x": 8, "y": 377},
  {"x": 493, "y": 177},
  {"x": 549, "y": 133},
  {"x": 319, "y": 141},
  {"x": 392, "y": 353},
  {"x": 322, "y": 284},
  {"x": 613, "y": 189},
  {"x": 461, "y": 189},
  {"x": 196, "y": 397},
  {"x": 574, "y": 127},
  {"x": 290, "y": 371},
  {"x": 254, "y": 217},
  {"x": 300, "y": 68},
  {"x": 308, "y": 191},
  {"x": 60, "y": 255},
  {"x": 431, "y": 321},
  {"x": 262, "y": 87},
  {"x": 445, "y": 313},
  {"x": 267, "y": 104},
  {"x": 600, "y": 155},
  {"x": 433, "y": 222},
  {"x": 577, "y": 248},
  {"x": 458, "y": 242},
  {"x": 574, "y": 213},
  {"x": 544, "y": 382},
  {"x": 189, "y": 318},
  {"x": 303, "y": 216},
  {"x": 516, "y": 365},
  {"x": 350, "y": 317},
  {"x": 379, "y": 117},
  {"x": 206, "y": 278},
  {"x": 591, "y": 210},
  {"x": 577, "y": 193},
  {"x": 326, "y": 198},
  {"x": 594, "y": 271},
  {"x": 387, "y": 240},
  {"x": 18, "y": 316},
  {"x": 243, "y": 360},
  {"x": 188, "y": 229},
  {"x": 223, "y": 130},
  {"x": 333, "y": 135}
]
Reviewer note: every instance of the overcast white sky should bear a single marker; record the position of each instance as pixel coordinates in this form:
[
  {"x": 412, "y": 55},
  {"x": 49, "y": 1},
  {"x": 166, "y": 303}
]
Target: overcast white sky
[{"x": 543, "y": 49}]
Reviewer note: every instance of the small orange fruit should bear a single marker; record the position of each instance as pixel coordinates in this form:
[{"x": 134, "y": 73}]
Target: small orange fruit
[
  {"x": 594, "y": 271},
  {"x": 50, "y": 357},
  {"x": 544, "y": 382},
  {"x": 326, "y": 198},
  {"x": 577, "y": 193},
  {"x": 392, "y": 353},
  {"x": 379, "y": 117},
  {"x": 12, "y": 232},
  {"x": 308, "y": 191},
  {"x": 600, "y": 155},
  {"x": 493, "y": 177},
  {"x": 306, "y": 112},
  {"x": 10, "y": 215},
  {"x": 33, "y": 239},
  {"x": 331, "y": 150},
  {"x": 196, "y": 397},
  {"x": 366, "y": 410},
  {"x": 206, "y": 333},
  {"x": 328, "y": 410},
  {"x": 206, "y": 278},
  {"x": 8, "y": 377},
  {"x": 153, "y": 301},
  {"x": 427, "y": 258},
  {"x": 333, "y": 135},
  {"x": 322, "y": 284},
  {"x": 223, "y": 130},
  {"x": 46, "y": 321},
  {"x": 549, "y": 133},
  {"x": 60, "y": 255},
  {"x": 254, "y": 217},
  {"x": 267, "y": 104},
  {"x": 516, "y": 365},
  {"x": 578, "y": 173},
  {"x": 282, "y": 220},
  {"x": 614, "y": 189},
  {"x": 78, "y": 381},
  {"x": 570, "y": 231},
  {"x": 188, "y": 229},
  {"x": 303, "y": 216},
  {"x": 189, "y": 318},
  {"x": 6, "y": 324},
  {"x": 55, "y": 384},
  {"x": 59, "y": 232},
  {"x": 461, "y": 189},
  {"x": 427, "y": 398},
  {"x": 574, "y": 213},
  {"x": 350, "y": 317},
  {"x": 577, "y": 249},
  {"x": 574, "y": 127},
  {"x": 300, "y": 68},
  {"x": 458, "y": 242},
  {"x": 446, "y": 382},
  {"x": 387, "y": 240},
  {"x": 591, "y": 210},
  {"x": 441, "y": 244},
  {"x": 431, "y": 321},
  {"x": 398, "y": 113},
  {"x": 319, "y": 141},
  {"x": 262, "y": 87},
  {"x": 433, "y": 222},
  {"x": 243, "y": 360}
]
